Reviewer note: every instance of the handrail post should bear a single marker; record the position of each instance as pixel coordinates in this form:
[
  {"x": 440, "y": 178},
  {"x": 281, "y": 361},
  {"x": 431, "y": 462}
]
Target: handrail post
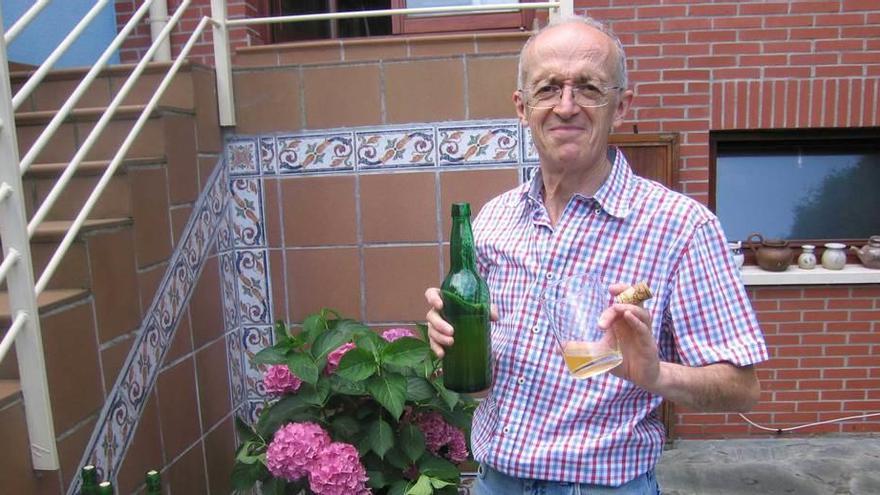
[
  {"x": 20, "y": 283},
  {"x": 158, "y": 20},
  {"x": 223, "y": 64},
  {"x": 565, "y": 9}
]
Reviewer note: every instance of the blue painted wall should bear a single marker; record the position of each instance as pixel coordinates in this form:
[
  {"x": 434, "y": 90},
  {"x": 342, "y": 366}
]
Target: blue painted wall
[{"x": 47, "y": 30}]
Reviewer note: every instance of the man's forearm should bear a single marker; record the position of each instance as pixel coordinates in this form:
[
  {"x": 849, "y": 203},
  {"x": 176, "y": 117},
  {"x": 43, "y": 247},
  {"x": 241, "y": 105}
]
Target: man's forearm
[{"x": 711, "y": 388}]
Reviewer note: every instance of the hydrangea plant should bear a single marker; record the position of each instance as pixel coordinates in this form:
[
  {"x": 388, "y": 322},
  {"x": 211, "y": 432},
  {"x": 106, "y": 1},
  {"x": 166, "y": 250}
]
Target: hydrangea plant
[{"x": 353, "y": 412}]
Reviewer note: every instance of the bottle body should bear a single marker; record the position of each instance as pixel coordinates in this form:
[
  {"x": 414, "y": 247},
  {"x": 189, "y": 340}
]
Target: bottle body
[
  {"x": 89, "y": 477},
  {"x": 105, "y": 488},
  {"x": 467, "y": 363}
]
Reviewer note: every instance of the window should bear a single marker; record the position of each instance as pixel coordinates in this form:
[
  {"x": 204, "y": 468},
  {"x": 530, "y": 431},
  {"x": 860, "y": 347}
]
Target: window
[
  {"x": 803, "y": 185},
  {"x": 383, "y": 26}
]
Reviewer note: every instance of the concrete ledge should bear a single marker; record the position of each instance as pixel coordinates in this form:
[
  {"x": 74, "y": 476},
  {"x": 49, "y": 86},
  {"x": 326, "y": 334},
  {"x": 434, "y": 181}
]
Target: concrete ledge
[{"x": 851, "y": 274}]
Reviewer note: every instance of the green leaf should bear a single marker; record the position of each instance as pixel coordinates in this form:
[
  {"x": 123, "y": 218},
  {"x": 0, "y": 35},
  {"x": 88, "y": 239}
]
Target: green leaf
[
  {"x": 436, "y": 467},
  {"x": 376, "y": 479},
  {"x": 396, "y": 458},
  {"x": 302, "y": 365},
  {"x": 412, "y": 441},
  {"x": 315, "y": 394},
  {"x": 313, "y": 326},
  {"x": 345, "y": 427},
  {"x": 399, "y": 488},
  {"x": 245, "y": 431},
  {"x": 357, "y": 365},
  {"x": 281, "y": 333},
  {"x": 390, "y": 391},
  {"x": 274, "y": 486},
  {"x": 440, "y": 483},
  {"x": 250, "y": 452},
  {"x": 381, "y": 437},
  {"x": 271, "y": 355},
  {"x": 245, "y": 476},
  {"x": 418, "y": 389},
  {"x": 406, "y": 351},
  {"x": 422, "y": 487},
  {"x": 449, "y": 397},
  {"x": 346, "y": 386},
  {"x": 327, "y": 342},
  {"x": 372, "y": 343},
  {"x": 290, "y": 408},
  {"x": 423, "y": 330}
]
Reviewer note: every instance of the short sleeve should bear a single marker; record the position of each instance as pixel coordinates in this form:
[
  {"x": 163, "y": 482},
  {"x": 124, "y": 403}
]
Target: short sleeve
[{"x": 711, "y": 316}]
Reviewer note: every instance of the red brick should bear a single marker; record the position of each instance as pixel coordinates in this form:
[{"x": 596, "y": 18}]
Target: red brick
[
  {"x": 641, "y": 76},
  {"x": 607, "y": 14},
  {"x": 814, "y": 59},
  {"x": 823, "y": 362},
  {"x": 687, "y": 24},
  {"x": 661, "y": 63},
  {"x": 697, "y": 113},
  {"x": 714, "y": 61},
  {"x": 763, "y": 8},
  {"x": 808, "y": 7},
  {"x": 871, "y": 31},
  {"x": 685, "y": 49},
  {"x": 866, "y": 361},
  {"x": 662, "y": 38},
  {"x": 684, "y": 126},
  {"x": 685, "y": 74},
  {"x": 842, "y": 394},
  {"x": 791, "y": 99},
  {"x": 786, "y": 47},
  {"x": 817, "y": 33},
  {"x": 729, "y": 109},
  {"x": 866, "y": 291},
  {"x": 865, "y": 315},
  {"x": 840, "y": 19},
  {"x": 840, "y": 71},
  {"x": 848, "y": 326},
  {"x": 763, "y": 60},
  {"x": 804, "y": 107},
  {"x": 859, "y": 5},
  {"x": 787, "y": 72},
  {"x": 842, "y": 117},
  {"x": 737, "y": 22},
  {"x": 763, "y": 34},
  {"x": 639, "y": 51},
  {"x": 635, "y": 26},
  {"x": 847, "y": 350},
  {"x": 799, "y": 351},
  {"x": 817, "y": 106},
  {"x": 862, "y": 405},
  {"x": 862, "y": 384},
  {"x": 661, "y": 113},
  {"x": 839, "y": 45},
  {"x": 779, "y": 293},
  {"x": 686, "y": 99},
  {"x": 735, "y": 48},
  {"x": 736, "y": 73},
  {"x": 864, "y": 338},
  {"x": 788, "y": 21},
  {"x": 858, "y": 109},
  {"x": 829, "y": 292},
  {"x": 796, "y": 395},
  {"x": 860, "y": 58},
  {"x": 711, "y": 36},
  {"x": 817, "y": 406},
  {"x": 711, "y": 10},
  {"x": 823, "y": 339},
  {"x": 740, "y": 429}
]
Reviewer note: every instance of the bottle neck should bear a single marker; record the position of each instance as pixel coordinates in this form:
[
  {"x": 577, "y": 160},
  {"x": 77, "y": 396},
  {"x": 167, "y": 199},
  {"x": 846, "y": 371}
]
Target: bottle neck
[{"x": 461, "y": 244}]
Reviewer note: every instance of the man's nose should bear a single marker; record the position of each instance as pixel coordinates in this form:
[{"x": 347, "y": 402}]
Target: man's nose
[{"x": 566, "y": 108}]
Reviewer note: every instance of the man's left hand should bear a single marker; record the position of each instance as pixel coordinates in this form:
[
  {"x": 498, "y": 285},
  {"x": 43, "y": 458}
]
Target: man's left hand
[{"x": 631, "y": 325}]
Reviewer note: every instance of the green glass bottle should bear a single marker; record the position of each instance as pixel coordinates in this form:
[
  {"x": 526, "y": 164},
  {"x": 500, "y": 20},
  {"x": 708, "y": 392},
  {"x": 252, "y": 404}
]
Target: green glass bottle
[
  {"x": 105, "y": 488},
  {"x": 466, "y": 366},
  {"x": 89, "y": 477},
  {"x": 154, "y": 482}
]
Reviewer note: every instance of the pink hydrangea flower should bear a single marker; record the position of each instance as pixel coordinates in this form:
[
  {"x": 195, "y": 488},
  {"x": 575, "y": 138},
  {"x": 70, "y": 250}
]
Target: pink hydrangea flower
[
  {"x": 441, "y": 438},
  {"x": 279, "y": 380},
  {"x": 338, "y": 471},
  {"x": 335, "y": 356},
  {"x": 294, "y": 448},
  {"x": 393, "y": 334}
]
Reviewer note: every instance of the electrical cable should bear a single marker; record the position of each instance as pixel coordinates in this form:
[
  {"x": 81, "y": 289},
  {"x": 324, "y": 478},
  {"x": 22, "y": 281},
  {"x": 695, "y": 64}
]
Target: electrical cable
[{"x": 780, "y": 431}]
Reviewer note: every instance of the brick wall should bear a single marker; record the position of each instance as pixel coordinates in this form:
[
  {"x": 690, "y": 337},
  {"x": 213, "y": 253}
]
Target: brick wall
[{"x": 139, "y": 41}]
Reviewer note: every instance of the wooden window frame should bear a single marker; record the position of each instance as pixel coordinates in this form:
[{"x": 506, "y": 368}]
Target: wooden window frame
[{"x": 401, "y": 24}]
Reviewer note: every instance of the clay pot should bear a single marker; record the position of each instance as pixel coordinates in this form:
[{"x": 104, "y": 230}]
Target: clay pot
[
  {"x": 772, "y": 255},
  {"x": 869, "y": 254}
]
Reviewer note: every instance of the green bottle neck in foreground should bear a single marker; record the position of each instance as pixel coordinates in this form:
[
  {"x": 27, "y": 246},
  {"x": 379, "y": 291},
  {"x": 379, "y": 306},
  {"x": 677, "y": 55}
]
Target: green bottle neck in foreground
[
  {"x": 89, "y": 477},
  {"x": 154, "y": 483},
  {"x": 105, "y": 488},
  {"x": 462, "y": 252}
]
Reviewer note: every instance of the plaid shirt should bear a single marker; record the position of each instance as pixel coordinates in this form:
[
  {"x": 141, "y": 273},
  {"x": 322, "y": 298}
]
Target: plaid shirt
[{"x": 538, "y": 422}]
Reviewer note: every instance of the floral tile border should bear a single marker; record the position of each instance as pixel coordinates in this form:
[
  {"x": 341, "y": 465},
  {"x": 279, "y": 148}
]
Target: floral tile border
[
  {"x": 315, "y": 153},
  {"x": 121, "y": 412},
  {"x": 246, "y": 210},
  {"x": 252, "y": 276},
  {"x": 242, "y": 156},
  {"x": 395, "y": 148},
  {"x": 529, "y": 152},
  {"x": 253, "y": 340},
  {"x": 267, "y": 155},
  {"x": 482, "y": 144}
]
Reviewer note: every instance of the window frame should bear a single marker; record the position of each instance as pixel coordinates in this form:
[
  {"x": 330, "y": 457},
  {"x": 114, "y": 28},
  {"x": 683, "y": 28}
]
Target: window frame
[
  {"x": 401, "y": 24},
  {"x": 835, "y": 138}
]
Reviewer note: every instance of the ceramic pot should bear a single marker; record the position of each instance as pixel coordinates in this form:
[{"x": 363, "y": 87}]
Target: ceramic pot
[
  {"x": 869, "y": 254},
  {"x": 736, "y": 250},
  {"x": 772, "y": 255},
  {"x": 834, "y": 257},
  {"x": 807, "y": 259}
]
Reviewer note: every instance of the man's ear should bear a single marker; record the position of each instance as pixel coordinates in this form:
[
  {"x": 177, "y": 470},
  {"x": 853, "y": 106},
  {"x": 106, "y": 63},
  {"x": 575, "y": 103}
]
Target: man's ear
[
  {"x": 623, "y": 104},
  {"x": 520, "y": 106}
]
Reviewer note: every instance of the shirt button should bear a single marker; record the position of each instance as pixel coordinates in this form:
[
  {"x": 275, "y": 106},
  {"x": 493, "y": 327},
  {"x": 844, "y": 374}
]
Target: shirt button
[
  {"x": 506, "y": 429},
  {"x": 597, "y": 210},
  {"x": 549, "y": 276},
  {"x": 521, "y": 380},
  {"x": 535, "y": 329}
]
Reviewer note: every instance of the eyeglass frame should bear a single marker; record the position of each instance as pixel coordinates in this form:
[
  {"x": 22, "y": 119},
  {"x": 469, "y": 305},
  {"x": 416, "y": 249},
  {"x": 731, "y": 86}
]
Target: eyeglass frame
[{"x": 605, "y": 90}]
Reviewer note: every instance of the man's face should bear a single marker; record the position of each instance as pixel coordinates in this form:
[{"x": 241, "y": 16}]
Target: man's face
[{"x": 566, "y": 56}]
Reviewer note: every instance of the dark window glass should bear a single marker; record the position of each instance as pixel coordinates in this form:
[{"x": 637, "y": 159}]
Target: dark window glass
[{"x": 812, "y": 185}]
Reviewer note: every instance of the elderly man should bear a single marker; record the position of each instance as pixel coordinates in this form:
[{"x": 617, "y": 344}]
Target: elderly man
[{"x": 585, "y": 212}]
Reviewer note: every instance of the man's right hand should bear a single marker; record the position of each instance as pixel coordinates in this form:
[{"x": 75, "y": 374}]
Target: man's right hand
[{"x": 439, "y": 330}]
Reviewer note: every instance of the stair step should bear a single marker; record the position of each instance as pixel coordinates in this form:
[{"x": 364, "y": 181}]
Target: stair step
[
  {"x": 20, "y": 76},
  {"x": 9, "y": 391},
  {"x": 123, "y": 112},
  {"x": 48, "y": 300},
  {"x": 54, "y": 230},
  {"x": 87, "y": 168}
]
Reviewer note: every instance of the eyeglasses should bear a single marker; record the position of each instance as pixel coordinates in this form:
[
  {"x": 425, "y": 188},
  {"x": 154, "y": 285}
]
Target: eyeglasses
[{"x": 585, "y": 95}]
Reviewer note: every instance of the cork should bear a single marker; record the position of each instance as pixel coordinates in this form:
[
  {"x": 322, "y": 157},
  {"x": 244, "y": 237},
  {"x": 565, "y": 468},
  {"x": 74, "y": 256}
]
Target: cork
[{"x": 635, "y": 294}]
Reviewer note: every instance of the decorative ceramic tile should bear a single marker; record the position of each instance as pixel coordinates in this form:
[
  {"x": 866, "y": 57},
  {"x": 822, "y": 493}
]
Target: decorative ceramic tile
[
  {"x": 228, "y": 280},
  {"x": 395, "y": 148},
  {"x": 174, "y": 293},
  {"x": 267, "y": 155},
  {"x": 315, "y": 153},
  {"x": 254, "y": 409},
  {"x": 235, "y": 353},
  {"x": 526, "y": 173},
  {"x": 241, "y": 156},
  {"x": 247, "y": 212},
  {"x": 255, "y": 339},
  {"x": 529, "y": 152},
  {"x": 253, "y": 287},
  {"x": 224, "y": 231},
  {"x": 125, "y": 402},
  {"x": 480, "y": 144}
]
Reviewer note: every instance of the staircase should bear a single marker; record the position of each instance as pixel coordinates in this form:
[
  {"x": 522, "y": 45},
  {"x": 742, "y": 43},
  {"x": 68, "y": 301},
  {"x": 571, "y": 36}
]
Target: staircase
[{"x": 96, "y": 300}]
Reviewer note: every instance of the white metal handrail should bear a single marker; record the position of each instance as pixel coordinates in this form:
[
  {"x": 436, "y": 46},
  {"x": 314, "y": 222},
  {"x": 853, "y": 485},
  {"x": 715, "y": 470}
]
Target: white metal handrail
[
  {"x": 24, "y": 20},
  {"x": 37, "y": 77}
]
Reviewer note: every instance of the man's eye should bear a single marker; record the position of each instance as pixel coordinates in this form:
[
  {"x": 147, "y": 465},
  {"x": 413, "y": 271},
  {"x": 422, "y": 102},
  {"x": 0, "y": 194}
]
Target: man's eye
[
  {"x": 589, "y": 90},
  {"x": 546, "y": 90}
]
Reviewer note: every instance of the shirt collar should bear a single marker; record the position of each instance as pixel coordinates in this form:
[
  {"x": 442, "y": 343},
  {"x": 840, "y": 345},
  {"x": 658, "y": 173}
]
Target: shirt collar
[{"x": 614, "y": 195}]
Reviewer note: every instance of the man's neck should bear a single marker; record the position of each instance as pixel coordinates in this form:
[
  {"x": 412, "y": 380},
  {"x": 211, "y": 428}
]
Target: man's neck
[{"x": 560, "y": 183}]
